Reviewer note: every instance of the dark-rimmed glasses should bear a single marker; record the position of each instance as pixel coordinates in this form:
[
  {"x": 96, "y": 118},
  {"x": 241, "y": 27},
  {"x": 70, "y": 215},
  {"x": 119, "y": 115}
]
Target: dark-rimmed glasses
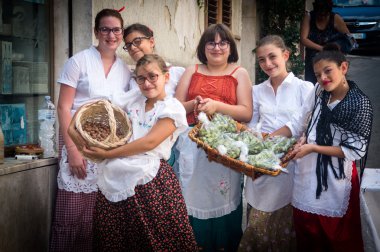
[
  {"x": 106, "y": 30},
  {"x": 152, "y": 78},
  {"x": 136, "y": 42},
  {"x": 223, "y": 45}
]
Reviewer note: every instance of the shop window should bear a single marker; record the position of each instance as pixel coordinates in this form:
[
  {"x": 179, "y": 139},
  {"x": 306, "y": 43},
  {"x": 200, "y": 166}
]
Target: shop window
[
  {"x": 218, "y": 11},
  {"x": 24, "y": 67}
]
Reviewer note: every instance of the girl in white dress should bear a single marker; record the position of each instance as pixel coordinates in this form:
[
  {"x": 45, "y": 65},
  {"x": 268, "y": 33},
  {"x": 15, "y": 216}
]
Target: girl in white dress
[
  {"x": 337, "y": 119},
  {"x": 270, "y": 225},
  {"x": 140, "y": 206}
]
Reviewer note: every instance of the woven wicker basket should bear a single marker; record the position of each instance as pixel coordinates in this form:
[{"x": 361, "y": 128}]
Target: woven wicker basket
[
  {"x": 237, "y": 165},
  {"x": 103, "y": 114}
]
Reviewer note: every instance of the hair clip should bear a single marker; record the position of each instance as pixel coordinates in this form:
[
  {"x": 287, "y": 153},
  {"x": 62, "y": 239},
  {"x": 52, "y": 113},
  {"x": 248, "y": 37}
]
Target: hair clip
[{"x": 120, "y": 10}]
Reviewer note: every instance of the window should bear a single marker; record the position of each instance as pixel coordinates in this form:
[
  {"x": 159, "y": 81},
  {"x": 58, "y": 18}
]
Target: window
[
  {"x": 24, "y": 67},
  {"x": 218, "y": 11}
]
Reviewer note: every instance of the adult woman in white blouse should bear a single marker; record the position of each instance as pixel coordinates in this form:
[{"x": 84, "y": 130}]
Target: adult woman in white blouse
[
  {"x": 270, "y": 226},
  {"x": 91, "y": 74}
]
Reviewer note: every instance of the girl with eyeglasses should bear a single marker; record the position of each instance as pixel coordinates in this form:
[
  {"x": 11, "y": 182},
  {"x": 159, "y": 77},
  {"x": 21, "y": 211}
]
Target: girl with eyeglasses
[
  {"x": 212, "y": 191},
  {"x": 139, "y": 41},
  {"x": 91, "y": 74},
  {"x": 140, "y": 206},
  {"x": 275, "y": 100}
]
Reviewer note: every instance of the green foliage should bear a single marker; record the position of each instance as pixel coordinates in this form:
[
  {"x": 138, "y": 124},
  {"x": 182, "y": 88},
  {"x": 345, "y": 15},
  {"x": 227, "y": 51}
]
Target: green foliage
[{"x": 282, "y": 17}]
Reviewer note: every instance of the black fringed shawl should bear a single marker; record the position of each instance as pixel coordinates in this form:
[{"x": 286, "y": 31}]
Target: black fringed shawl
[{"x": 352, "y": 117}]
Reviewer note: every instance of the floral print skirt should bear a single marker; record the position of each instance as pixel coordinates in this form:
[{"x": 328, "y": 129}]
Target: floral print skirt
[
  {"x": 269, "y": 231},
  {"x": 154, "y": 219}
]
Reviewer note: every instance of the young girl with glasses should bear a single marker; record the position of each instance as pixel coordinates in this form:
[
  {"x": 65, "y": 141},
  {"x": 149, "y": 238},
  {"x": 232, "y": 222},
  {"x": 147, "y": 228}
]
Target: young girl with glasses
[
  {"x": 140, "y": 206},
  {"x": 337, "y": 119},
  {"x": 91, "y": 74},
  {"x": 139, "y": 40},
  {"x": 270, "y": 219},
  {"x": 212, "y": 191}
]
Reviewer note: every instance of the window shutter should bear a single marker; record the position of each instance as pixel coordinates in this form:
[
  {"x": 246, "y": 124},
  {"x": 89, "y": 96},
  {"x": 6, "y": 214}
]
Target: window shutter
[{"x": 218, "y": 11}]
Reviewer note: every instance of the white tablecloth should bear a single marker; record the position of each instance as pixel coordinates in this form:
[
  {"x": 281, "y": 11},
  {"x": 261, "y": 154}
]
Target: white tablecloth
[{"x": 370, "y": 209}]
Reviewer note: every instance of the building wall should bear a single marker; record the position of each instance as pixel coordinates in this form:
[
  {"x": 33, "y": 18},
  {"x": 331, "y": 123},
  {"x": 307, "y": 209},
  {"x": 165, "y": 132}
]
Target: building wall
[
  {"x": 249, "y": 36},
  {"x": 177, "y": 25}
]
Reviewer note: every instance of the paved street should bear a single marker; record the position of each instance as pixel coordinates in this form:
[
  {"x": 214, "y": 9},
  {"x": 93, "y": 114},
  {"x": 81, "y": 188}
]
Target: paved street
[{"x": 365, "y": 71}]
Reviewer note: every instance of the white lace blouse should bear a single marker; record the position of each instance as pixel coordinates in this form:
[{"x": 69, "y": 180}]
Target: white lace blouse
[
  {"x": 118, "y": 177},
  {"x": 84, "y": 72}
]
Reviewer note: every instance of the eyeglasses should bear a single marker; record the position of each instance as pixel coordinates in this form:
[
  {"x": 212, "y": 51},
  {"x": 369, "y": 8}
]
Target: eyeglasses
[
  {"x": 223, "y": 45},
  {"x": 136, "y": 42},
  {"x": 152, "y": 78},
  {"x": 106, "y": 30}
]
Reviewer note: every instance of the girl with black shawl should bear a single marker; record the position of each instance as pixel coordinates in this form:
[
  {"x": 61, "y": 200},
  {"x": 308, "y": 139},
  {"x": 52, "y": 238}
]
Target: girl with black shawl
[{"x": 337, "y": 122}]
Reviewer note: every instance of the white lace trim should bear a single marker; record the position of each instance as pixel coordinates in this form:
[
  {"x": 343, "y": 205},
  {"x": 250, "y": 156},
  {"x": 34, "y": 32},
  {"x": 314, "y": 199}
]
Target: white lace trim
[
  {"x": 330, "y": 213},
  {"x": 68, "y": 182},
  {"x": 214, "y": 213}
]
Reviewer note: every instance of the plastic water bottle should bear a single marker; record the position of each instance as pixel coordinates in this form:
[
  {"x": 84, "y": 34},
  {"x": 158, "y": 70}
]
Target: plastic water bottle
[{"x": 46, "y": 118}]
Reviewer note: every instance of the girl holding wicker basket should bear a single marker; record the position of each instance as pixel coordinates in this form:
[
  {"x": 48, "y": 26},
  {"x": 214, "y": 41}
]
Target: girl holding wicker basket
[
  {"x": 139, "y": 40},
  {"x": 337, "y": 119},
  {"x": 91, "y": 74},
  {"x": 213, "y": 191},
  {"x": 140, "y": 206},
  {"x": 270, "y": 219}
]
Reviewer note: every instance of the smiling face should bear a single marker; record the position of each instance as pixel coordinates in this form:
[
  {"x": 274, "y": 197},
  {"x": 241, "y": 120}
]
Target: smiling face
[
  {"x": 151, "y": 81},
  {"x": 272, "y": 60},
  {"x": 216, "y": 55},
  {"x": 329, "y": 75},
  {"x": 109, "y": 41},
  {"x": 138, "y": 50}
]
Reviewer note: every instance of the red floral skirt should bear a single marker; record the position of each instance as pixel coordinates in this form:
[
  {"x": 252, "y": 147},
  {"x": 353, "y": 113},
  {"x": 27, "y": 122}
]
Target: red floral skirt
[{"x": 154, "y": 219}]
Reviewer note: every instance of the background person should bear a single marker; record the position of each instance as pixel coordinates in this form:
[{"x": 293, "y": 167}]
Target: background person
[{"x": 317, "y": 28}]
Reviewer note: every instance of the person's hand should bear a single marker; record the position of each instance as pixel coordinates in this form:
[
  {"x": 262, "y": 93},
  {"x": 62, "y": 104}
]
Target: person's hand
[
  {"x": 207, "y": 106},
  {"x": 304, "y": 150},
  {"x": 77, "y": 163},
  {"x": 95, "y": 153},
  {"x": 198, "y": 99}
]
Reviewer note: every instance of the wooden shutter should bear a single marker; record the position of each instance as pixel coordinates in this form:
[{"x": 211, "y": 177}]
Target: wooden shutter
[{"x": 218, "y": 11}]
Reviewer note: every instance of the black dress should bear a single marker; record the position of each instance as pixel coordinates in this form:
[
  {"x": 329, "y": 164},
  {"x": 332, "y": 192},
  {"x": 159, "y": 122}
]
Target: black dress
[{"x": 320, "y": 37}]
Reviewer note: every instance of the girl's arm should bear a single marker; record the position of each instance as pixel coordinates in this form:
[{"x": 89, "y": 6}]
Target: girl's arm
[
  {"x": 256, "y": 113},
  {"x": 182, "y": 90},
  {"x": 340, "y": 25},
  {"x": 334, "y": 151},
  {"x": 163, "y": 129},
  {"x": 306, "y": 149},
  {"x": 305, "y": 29},
  {"x": 240, "y": 112},
  {"x": 66, "y": 98}
]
